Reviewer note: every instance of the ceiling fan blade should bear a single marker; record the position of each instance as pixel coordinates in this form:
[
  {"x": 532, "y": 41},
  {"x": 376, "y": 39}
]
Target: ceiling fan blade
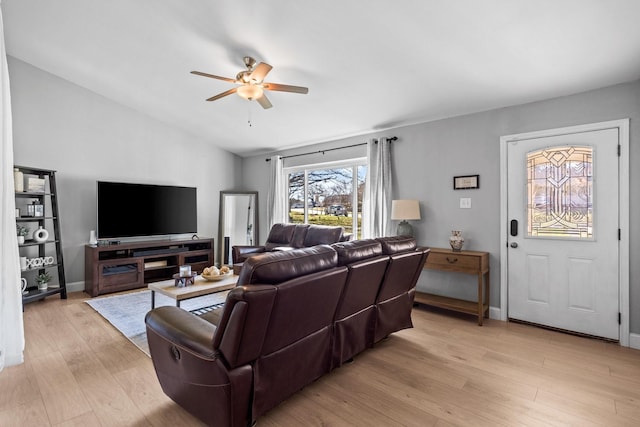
[
  {"x": 264, "y": 101},
  {"x": 285, "y": 88},
  {"x": 223, "y": 94},
  {"x": 260, "y": 72},
  {"x": 200, "y": 73}
]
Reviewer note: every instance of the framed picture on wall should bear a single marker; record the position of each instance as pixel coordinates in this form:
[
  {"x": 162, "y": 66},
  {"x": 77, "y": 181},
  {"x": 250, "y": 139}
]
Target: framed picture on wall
[{"x": 466, "y": 182}]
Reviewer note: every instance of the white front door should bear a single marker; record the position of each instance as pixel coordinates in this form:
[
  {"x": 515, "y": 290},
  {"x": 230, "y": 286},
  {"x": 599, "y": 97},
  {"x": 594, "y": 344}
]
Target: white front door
[{"x": 563, "y": 231}]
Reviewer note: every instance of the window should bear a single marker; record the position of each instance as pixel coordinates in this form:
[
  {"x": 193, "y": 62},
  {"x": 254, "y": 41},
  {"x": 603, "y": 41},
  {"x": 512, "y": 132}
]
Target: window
[
  {"x": 560, "y": 192},
  {"x": 328, "y": 194}
]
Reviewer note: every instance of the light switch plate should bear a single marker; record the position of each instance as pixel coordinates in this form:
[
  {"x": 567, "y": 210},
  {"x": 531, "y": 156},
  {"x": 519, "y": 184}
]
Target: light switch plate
[{"x": 465, "y": 203}]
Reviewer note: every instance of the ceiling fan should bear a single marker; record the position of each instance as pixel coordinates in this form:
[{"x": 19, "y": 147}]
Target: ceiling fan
[{"x": 252, "y": 84}]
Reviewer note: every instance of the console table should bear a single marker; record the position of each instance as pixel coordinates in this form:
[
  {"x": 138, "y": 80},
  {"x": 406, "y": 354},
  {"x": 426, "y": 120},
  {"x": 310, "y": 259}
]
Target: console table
[{"x": 469, "y": 262}]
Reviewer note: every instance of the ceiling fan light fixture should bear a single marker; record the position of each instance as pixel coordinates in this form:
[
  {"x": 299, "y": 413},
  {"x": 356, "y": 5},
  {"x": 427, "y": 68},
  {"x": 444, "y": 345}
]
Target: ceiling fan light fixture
[{"x": 250, "y": 91}]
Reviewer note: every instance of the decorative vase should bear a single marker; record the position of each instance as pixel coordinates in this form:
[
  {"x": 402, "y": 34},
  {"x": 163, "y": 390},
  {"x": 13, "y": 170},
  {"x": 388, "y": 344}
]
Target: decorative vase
[
  {"x": 92, "y": 238},
  {"x": 18, "y": 180},
  {"x": 42, "y": 286},
  {"x": 40, "y": 235},
  {"x": 20, "y": 240},
  {"x": 456, "y": 240}
]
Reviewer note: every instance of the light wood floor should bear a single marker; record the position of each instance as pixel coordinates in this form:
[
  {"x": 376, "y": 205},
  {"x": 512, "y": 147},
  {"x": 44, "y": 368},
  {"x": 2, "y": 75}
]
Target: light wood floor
[{"x": 79, "y": 371}]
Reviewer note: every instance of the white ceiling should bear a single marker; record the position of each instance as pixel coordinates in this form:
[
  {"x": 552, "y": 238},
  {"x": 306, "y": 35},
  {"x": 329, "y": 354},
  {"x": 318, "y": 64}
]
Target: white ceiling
[{"x": 369, "y": 64}]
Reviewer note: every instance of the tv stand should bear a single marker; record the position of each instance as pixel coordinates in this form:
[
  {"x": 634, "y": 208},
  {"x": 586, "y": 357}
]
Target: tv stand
[{"x": 124, "y": 266}]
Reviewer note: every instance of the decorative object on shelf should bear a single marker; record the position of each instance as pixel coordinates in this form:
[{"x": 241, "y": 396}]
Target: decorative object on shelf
[
  {"x": 23, "y": 263},
  {"x": 31, "y": 210},
  {"x": 404, "y": 210},
  {"x": 468, "y": 182},
  {"x": 38, "y": 209},
  {"x": 23, "y": 285},
  {"x": 22, "y": 232},
  {"x": 39, "y": 262},
  {"x": 18, "y": 180},
  {"x": 93, "y": 240},
  {"x": 182, "y": 281},
  {"x": 35, "y": 185},
  {"x": 17, "y": 213},
  {"x": 40, "y": 235},
  {"x": 43, "y": 281},
  {"x": 456, "y": 240}
]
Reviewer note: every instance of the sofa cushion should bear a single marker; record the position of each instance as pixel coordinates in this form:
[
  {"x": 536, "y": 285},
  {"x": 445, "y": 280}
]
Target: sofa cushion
[
  {"x": 350, "y": 252},
  {"x": 395, "y": 244},
  {"x": 322, "y": 235},
  {"x": 297, "y": 241},
  {"x": 280, "y": 235},
  {"x": 278, "y": 267}
]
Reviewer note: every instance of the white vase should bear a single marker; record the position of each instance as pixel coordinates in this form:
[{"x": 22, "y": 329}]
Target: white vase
[
  {"x": 456, "y": 240},
  {"x": 43, "y": 286},
  {"x": 40, "y": 235},
  {"x": 92, "y": 238},
  {"x": 20, "y": 240}
]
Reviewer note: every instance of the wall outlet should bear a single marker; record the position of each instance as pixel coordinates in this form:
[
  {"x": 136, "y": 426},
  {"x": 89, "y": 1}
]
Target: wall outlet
[{"x": 465, "y": 203}]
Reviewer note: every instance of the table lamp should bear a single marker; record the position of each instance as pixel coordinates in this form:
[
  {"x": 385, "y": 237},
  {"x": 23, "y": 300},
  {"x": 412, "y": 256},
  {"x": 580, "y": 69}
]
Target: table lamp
[{"x": 404, "y": 210}]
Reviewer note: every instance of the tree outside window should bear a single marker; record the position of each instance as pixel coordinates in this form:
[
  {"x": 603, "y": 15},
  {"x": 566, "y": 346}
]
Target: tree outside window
[{"x": 326, "y": 196}]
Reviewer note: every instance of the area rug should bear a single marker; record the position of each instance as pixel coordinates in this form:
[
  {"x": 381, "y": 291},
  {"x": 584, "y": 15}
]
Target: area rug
[{"x": 126, "y": 312}]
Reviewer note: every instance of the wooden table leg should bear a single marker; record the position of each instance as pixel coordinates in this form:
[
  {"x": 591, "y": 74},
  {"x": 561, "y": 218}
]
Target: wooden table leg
[
  {"x": 487, "y": 292},
  {"x": 480, "y": 300}
]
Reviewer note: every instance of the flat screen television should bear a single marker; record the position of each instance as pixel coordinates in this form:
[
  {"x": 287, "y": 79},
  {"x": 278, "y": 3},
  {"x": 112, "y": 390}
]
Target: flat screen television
[{"x": 137, "y": 210}]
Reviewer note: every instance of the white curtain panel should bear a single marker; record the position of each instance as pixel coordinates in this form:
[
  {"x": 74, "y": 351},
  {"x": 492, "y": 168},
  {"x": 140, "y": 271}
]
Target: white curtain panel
[
  {"x": 377, "y": 196},
  {"x": 11, "y": 326},
  {"x": 277, "y": 197}
]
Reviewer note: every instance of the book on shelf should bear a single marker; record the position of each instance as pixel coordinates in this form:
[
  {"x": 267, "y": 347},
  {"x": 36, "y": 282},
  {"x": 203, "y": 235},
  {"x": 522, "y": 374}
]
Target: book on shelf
[{"x": 155, "y": 264}]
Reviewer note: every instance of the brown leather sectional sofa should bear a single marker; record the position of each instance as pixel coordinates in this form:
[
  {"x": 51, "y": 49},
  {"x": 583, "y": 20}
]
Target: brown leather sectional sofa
[
  {"x": 287, "y": 236},
  {"x": 293, "y": 317}
]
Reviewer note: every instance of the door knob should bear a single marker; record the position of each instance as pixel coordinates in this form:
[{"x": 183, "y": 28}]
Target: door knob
[{"x": 514, "y": 245}]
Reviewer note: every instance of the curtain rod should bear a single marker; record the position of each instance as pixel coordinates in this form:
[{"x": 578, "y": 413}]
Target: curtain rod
[{"x": 393, "y": 138}]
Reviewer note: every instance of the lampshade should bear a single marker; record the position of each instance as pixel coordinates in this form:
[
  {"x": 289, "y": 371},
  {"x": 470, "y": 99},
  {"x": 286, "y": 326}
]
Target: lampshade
[
  {"x": 250, "y": 91},
  {"x": 405, "y": 209}
]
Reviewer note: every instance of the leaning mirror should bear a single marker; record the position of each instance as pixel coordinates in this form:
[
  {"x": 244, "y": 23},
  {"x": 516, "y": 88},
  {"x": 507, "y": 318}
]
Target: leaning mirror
[{"x": 238, "y": 222}]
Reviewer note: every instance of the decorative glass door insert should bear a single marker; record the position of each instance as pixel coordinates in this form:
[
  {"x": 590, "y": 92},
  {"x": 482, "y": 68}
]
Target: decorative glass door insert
[{"x": 560, "y": 192}]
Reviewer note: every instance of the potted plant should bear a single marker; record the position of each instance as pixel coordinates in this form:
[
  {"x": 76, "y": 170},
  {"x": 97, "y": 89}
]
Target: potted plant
[
  {"x": 21, "y": 231},
  {"x": 43, "y": 281}
]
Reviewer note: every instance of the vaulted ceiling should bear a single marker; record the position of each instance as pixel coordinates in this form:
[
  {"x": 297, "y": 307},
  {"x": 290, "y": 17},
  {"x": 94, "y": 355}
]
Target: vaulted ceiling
[{"x": 369, "y": 65}]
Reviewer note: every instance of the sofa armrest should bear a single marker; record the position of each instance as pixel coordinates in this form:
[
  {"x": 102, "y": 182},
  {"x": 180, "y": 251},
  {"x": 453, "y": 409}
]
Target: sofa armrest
[
  {"x": 183, "y": 329},
  {"x": 239, "y": 253}
]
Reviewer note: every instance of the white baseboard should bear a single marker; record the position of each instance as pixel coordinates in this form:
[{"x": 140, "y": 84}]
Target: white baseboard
[
  {"x": 75, "y": 287},
  {"x": 494, "y": 313},
  {"x": 634, "y": 341}
]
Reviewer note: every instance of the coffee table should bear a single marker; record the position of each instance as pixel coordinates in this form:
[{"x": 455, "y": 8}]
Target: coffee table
[{"x": 199, "y": 288}]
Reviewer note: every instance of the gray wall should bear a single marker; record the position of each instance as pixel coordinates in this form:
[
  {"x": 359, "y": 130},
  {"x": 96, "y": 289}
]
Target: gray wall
[
  {"x": 427, "y": 156},
  {"x": 86, "y": 137}
]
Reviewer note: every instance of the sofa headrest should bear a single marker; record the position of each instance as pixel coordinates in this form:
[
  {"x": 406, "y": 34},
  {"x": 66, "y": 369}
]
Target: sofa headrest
[
  {"x": 280, "y": 266},
  {"x": 297, "y": 241},
  {"x": 396, "y": 244},
  {"x": 350, "y": 252},
  {"x": 281, "y": 234},
  {"x": 322, "y": 235}
]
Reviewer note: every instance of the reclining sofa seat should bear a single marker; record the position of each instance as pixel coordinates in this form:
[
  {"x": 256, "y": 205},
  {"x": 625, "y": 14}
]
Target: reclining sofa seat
[
  {"x": 229, "y": 374},
  {"x": 397, "y": 291},
  {"x": 290, "y": 236},
  {"x": 355, "y": 319}
]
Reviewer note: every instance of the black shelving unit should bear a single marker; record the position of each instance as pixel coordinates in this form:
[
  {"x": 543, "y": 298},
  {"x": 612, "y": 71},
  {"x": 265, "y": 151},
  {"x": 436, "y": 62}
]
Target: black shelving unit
[{"x": 50, "y": 221}]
